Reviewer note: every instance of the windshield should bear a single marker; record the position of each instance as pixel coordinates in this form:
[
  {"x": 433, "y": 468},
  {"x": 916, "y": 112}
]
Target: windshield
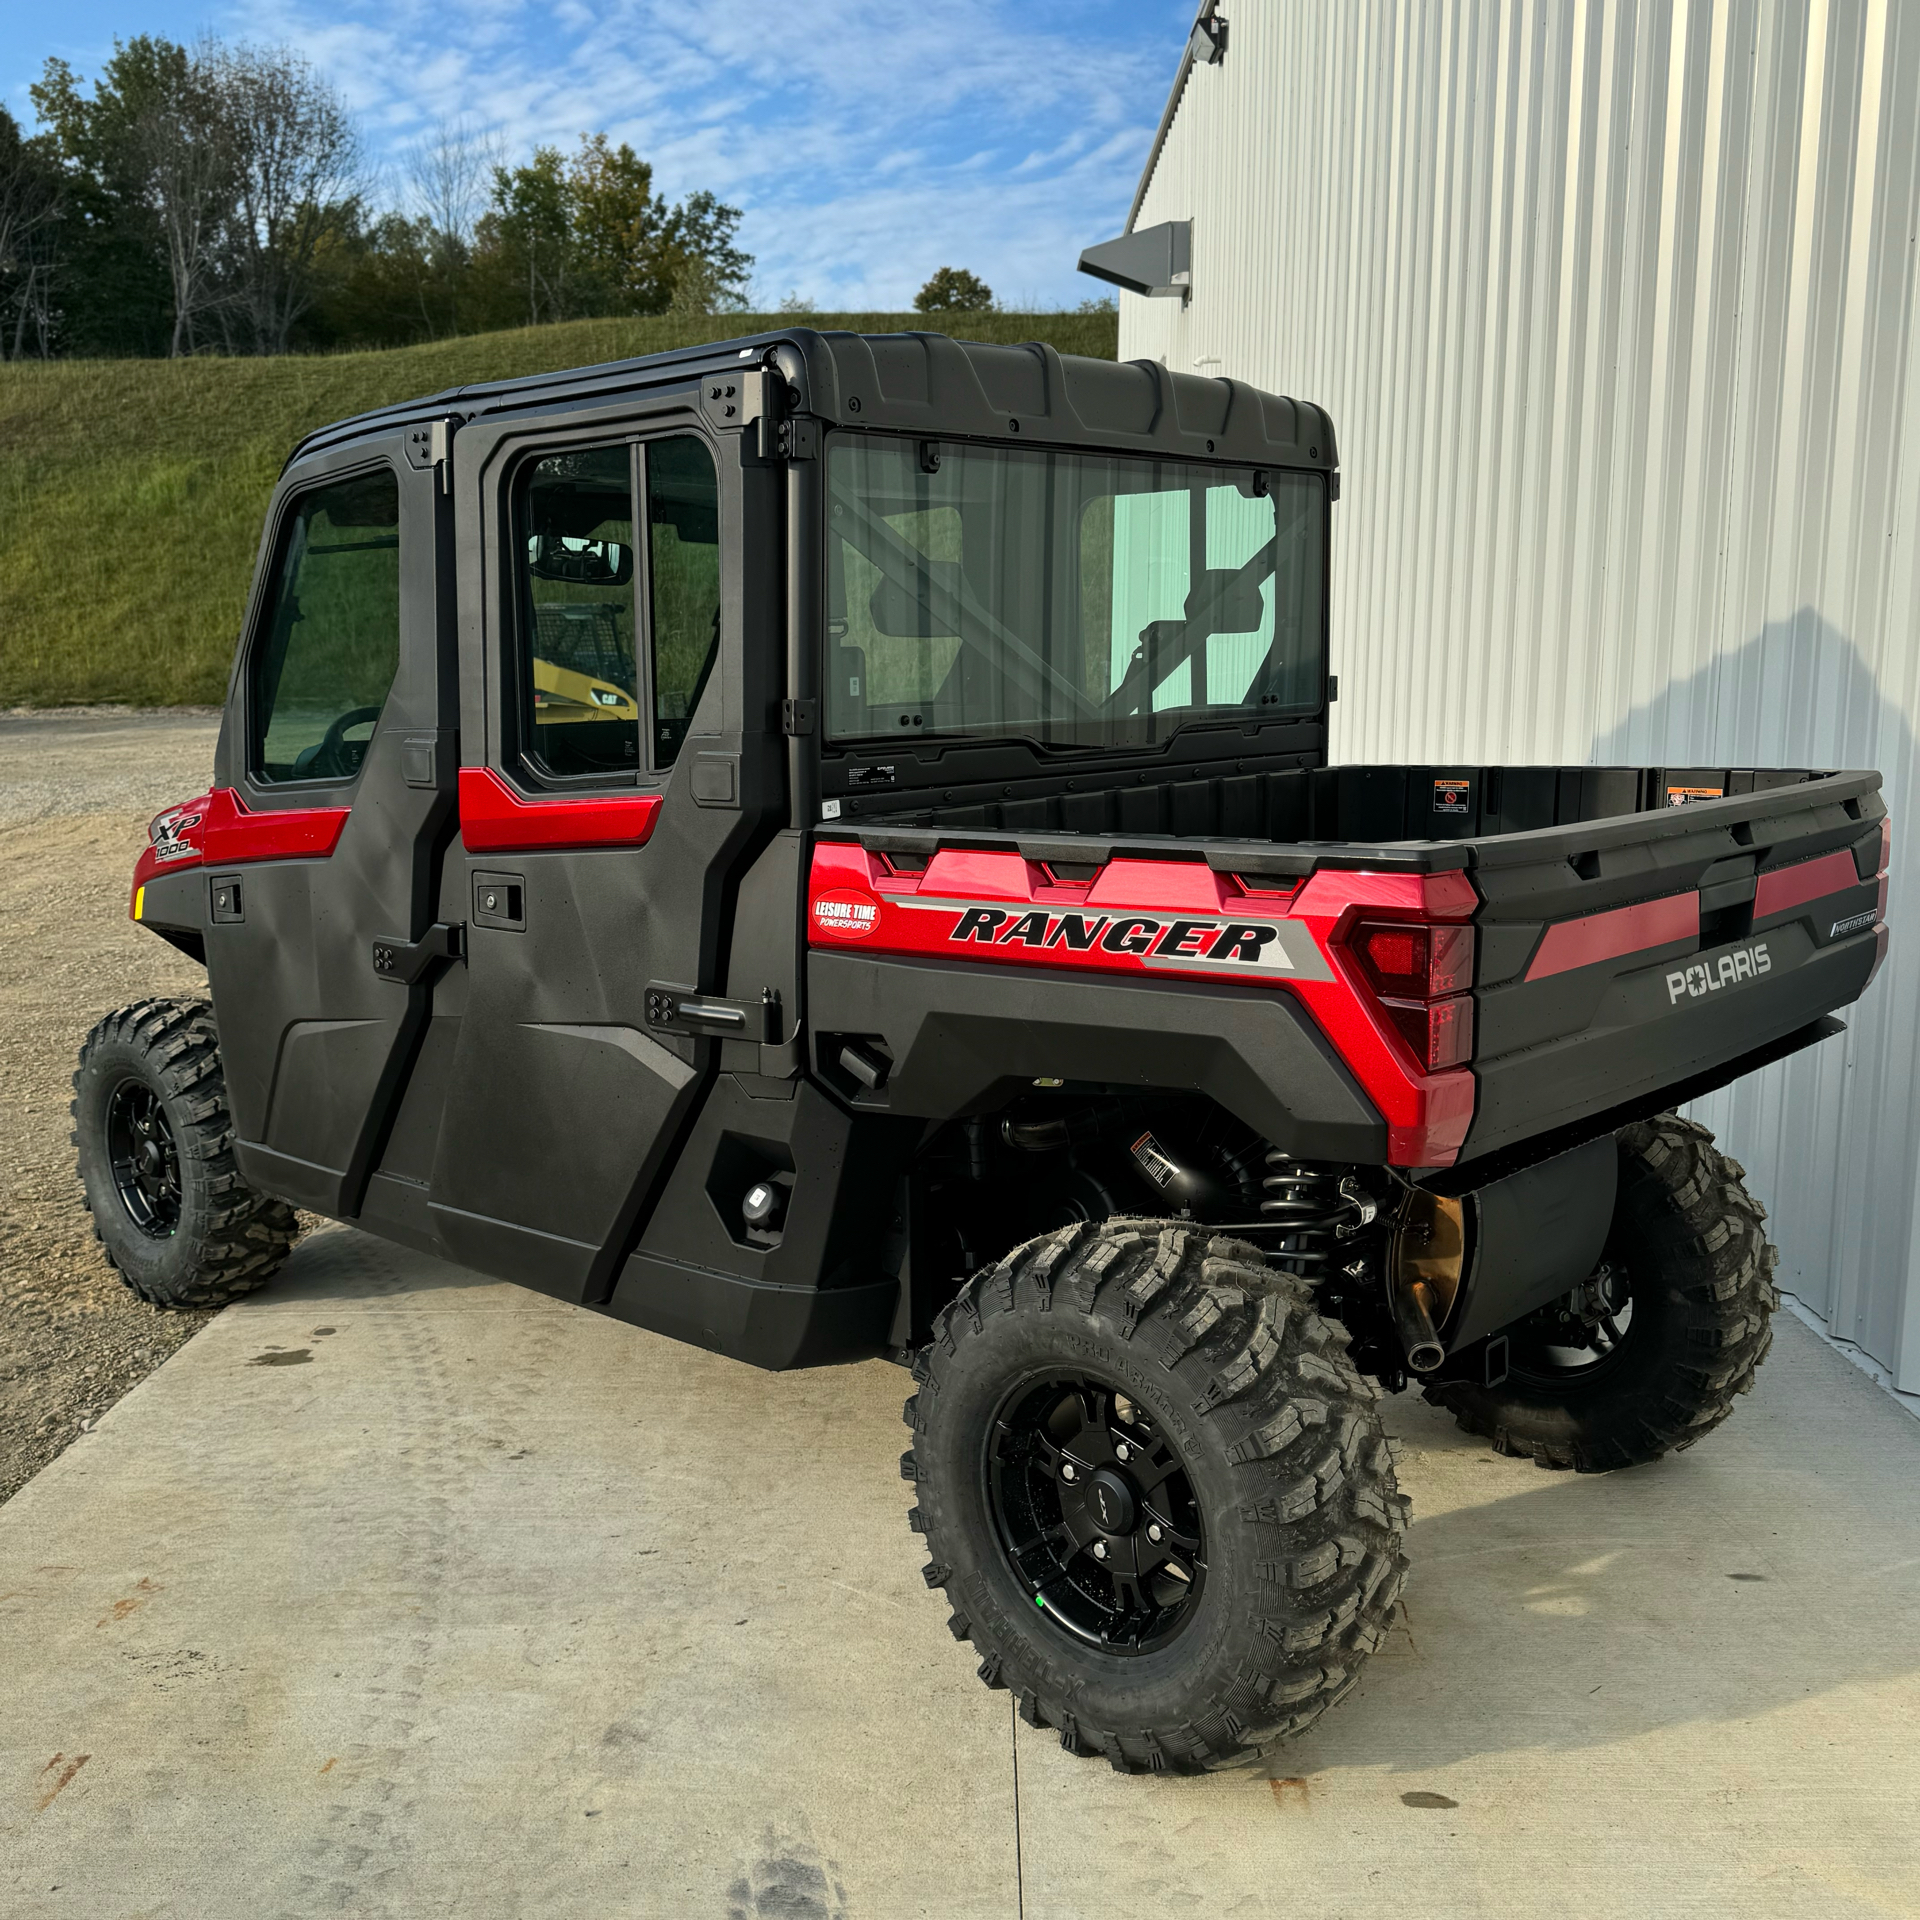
[{"x": 1070, "y": 599}]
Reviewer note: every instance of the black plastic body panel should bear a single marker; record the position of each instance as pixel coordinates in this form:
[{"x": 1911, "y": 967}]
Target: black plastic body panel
[
  {"x": 966, "y": 1039},
  {"x": 822, "y": 1283},
  {"x": 1536, "y": 1234}
]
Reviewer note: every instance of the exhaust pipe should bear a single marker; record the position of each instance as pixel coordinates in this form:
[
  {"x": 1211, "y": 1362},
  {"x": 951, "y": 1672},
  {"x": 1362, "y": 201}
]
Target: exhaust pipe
[
  {"x": 1413, "y": 1308},
  {"x": 1425, "y": 1269}
]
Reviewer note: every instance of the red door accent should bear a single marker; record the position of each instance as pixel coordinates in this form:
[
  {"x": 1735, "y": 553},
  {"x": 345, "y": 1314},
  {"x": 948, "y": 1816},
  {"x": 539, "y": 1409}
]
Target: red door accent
[
  {"x": 495, "y": 819},
  {"x": 233, "y": 832}
]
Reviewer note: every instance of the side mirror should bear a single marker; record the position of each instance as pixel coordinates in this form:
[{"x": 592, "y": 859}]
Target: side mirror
[{"x": 580, "y": 563}]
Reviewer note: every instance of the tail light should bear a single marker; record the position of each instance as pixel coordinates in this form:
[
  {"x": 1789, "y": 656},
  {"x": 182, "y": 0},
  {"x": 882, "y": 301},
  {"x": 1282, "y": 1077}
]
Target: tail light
[{"x": 1421, "y": 973}]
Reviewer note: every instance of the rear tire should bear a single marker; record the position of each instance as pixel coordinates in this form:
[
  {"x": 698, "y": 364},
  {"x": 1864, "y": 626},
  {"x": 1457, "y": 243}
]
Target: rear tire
[
  {"x": 1687, "y": 1242},
  {"x": 1198, "y": 1386},
  {"x": 155, "y": 1152}
]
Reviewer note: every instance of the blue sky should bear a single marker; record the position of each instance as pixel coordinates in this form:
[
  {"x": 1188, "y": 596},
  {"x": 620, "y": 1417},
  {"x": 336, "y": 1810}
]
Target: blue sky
[{"x": 868, "y": 142}]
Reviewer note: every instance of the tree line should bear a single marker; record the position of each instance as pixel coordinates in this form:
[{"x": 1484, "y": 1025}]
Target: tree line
[{"x": 217, "y": 199}]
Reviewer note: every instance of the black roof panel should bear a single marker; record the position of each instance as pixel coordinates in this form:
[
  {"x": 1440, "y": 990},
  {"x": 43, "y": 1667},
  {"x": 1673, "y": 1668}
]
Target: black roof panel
[{"x": 929, "y": 384}]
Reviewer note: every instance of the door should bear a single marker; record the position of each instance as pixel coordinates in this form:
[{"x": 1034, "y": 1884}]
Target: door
[
  {"x": 334, "y": 774},
  {"x": 617, "y": 774}
]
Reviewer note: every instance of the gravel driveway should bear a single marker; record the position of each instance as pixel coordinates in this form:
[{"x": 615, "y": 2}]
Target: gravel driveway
[{"x": 76, "y": 792}]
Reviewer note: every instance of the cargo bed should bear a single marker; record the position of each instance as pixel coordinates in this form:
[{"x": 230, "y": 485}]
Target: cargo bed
[{"x": 1643, "y": 934}]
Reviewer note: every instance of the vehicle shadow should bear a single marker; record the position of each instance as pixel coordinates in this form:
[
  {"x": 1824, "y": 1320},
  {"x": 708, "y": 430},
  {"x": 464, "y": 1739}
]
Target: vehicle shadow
[
  {"x": 1776, "y": 1562},
  {"x": 336, "y": 1263}
]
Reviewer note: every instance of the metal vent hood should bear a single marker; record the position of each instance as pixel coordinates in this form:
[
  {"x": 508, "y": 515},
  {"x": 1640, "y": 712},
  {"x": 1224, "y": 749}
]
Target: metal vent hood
[{"x": 1156, "y": 261}]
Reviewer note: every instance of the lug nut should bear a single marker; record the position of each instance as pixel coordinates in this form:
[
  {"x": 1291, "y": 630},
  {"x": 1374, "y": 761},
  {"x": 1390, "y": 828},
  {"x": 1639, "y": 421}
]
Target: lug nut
[
  {"x": 1153, "y": 1533},
  {"x": 1099, "y": 1549},
  {"x": 1066, "y": 1472},
  {"x": 1124, "y": 1451}
]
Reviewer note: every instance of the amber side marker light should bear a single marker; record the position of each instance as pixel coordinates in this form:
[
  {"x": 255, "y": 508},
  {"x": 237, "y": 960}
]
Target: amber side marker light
[{"x": 1421, "y": 972}]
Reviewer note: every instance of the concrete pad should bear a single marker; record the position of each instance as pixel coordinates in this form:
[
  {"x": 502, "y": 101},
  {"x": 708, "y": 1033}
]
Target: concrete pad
[
  {"x": 1688, "y": 1688},
  {"x": 401, "y": 1592}
]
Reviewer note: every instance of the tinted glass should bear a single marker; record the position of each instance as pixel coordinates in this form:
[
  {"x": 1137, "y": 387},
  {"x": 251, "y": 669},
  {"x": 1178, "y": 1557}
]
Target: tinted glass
[
  {"x": 683, "y": 519},
  {"x": 333, "y": 632},
  {"x": 578, "y": 684},
  {"x": 1066, "y": 598}
]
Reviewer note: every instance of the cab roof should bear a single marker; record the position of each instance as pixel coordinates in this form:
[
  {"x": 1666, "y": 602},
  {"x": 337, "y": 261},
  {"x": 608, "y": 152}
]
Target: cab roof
[{"x": 930, "y": 385}]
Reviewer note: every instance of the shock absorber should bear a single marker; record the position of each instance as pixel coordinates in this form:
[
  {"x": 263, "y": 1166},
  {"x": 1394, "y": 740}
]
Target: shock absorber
[{"x": 1316, "y": 1208}]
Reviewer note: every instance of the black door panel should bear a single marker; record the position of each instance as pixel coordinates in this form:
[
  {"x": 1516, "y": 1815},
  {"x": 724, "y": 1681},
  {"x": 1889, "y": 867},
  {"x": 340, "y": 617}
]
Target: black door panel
[
  {"x": 562, "y": 1110},
  {"x": 315, "y": 1044},
  {"x": 554, "y": 1121}
]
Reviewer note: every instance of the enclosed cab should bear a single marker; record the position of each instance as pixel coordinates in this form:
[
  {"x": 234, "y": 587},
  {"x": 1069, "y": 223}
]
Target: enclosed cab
[{"x": 824, "y": 846}]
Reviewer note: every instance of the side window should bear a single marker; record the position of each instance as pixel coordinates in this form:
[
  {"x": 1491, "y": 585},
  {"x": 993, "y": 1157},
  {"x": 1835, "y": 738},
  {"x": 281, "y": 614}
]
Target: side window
[
  {"x": 579, "y": 689},
  {"x": 331, "y": 643},
  {"x": 683, "y": 526}
]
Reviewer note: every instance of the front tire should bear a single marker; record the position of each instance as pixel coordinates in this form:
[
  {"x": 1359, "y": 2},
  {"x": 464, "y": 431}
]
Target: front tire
[
  {"x": 155, "y": 1151},
  {"x": 1687, "y": 1254},
  {"x": 1156, "y": 1493}
]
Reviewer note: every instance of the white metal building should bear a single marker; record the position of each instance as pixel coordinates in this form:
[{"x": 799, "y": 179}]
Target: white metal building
[{"x": 1613, "y": 304}]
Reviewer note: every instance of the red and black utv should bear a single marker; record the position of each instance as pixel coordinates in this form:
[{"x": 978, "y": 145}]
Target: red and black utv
[{"x": 822, "y": 847}]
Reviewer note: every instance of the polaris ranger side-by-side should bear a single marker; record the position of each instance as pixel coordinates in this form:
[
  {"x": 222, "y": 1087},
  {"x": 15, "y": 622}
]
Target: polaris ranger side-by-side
[{"x": 823, "y": 847}]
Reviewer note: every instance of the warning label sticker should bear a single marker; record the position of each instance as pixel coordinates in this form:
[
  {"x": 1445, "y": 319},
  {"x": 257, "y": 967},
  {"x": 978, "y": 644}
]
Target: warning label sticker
[
  {"x": 1692, "y": 796},
  {"x": 1452, "y": 796}
]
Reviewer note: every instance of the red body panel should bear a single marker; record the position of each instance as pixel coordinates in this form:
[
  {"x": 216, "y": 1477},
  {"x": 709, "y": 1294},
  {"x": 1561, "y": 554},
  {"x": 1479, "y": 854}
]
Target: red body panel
[
  {"x": 1155, "y": 919},
  {"x": 219, "y": 827},
  {"x": 1607, "y": 936},
  {"x": 495, "y": 819},
  {"x": 1788, "y": 887}
]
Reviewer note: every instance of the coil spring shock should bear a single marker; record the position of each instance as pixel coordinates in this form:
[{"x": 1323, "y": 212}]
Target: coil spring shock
[{"x": 1315, "y": 1208}]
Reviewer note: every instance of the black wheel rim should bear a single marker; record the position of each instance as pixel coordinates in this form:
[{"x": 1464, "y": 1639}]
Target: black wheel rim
[
  {"x": 1095, "y": 1513},
  {"x": 144, "y": 1158},
  {"x": 1579, "y": 1337}
]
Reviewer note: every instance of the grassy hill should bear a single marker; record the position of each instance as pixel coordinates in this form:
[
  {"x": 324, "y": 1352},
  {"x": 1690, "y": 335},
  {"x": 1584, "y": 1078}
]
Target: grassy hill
[{"x": 131, "y": 491}]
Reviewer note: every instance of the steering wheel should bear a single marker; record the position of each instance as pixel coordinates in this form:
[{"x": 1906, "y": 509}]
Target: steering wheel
[{"x": 335, "y": 755}]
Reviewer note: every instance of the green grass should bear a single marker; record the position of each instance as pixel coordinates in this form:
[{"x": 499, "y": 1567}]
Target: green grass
[{"x": 131, "y": 491}]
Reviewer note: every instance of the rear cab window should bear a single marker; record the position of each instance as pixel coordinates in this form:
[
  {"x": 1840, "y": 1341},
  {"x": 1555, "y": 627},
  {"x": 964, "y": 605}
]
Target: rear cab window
[
  {"x": 329, "y": 642},
  {"x": 1072, "y": 600}
]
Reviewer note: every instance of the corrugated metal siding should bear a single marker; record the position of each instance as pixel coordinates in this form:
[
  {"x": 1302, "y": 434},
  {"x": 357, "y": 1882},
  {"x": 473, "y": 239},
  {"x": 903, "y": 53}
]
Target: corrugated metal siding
[{"x": 1613, "y": 306}]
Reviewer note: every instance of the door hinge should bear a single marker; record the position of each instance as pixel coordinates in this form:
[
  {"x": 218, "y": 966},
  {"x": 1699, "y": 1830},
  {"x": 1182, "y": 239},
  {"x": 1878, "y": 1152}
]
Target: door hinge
[
  {"x": 431, "y": 445},
  {"x": 737, "y": 397},
  {"x": 405, "y": 962},
  {"x": 797, "y": 717},
  {"x": 795, "y": 437}
]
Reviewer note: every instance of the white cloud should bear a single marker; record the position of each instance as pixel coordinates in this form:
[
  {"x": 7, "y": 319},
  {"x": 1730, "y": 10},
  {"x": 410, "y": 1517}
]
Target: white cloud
[{"x": 867, "y": 143}]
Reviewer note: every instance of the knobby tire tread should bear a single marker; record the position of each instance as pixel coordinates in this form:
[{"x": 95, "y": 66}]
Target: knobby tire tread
[
  {"x": 232, "y": 1243},
  {"x": 1716, "y": 1265},
  {"x": 1317, "y": 1518}
]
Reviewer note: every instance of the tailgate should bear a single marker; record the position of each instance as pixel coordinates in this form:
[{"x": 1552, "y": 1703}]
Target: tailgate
[{"x": 1620, "y": 957}]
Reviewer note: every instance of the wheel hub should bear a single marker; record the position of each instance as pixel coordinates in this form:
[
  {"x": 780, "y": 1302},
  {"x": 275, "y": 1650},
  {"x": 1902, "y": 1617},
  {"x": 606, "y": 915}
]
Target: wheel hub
[
  {"x": 144, "y": 1158},
  {"x": 1114, "y": 1503},
  {"x": 1096, "y": 1513}
]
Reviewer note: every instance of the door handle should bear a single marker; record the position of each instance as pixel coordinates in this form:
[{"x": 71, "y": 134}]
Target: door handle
[
  {"x": 405, "y": 961},
  {"x": 673, "y": 1009}
]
